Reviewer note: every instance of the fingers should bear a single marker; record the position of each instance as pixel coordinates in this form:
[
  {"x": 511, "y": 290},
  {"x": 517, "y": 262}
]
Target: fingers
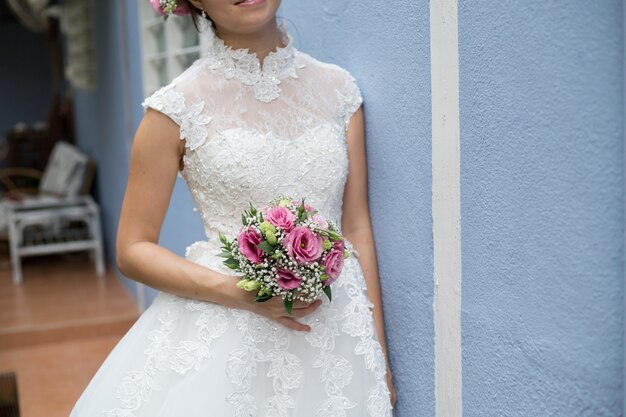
[
  {"x": 277, "y": 307},
  {"x": 300, "y": 304},
  {"x": 278, "y": 302},
  {"x": 393, "y": 396},
  {"x": 301, "y": 312},
  {"x": 275, "y": 310},
  {"x": 293, "y": 324}
]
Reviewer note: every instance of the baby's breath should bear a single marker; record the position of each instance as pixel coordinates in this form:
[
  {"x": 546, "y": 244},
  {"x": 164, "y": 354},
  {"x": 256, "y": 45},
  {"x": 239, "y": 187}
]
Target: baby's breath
[{"x": 311, "y": 275}]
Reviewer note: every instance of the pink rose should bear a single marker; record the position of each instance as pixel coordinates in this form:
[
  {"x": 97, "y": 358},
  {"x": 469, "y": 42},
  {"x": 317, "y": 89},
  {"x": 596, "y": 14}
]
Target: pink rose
[
  {"x": 248, "y": 241},
  {"x": 303, "y": 245},
  {"x": 333, "y": 261},
  {"x": 339, "y": 245},
  {"x": 287, "y": 279},
  {"x": 281, "y": 217},
  {"x": 317, "y": 218}
]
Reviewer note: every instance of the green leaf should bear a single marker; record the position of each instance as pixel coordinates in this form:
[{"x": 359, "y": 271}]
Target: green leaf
[
  {"x": 243, "y": 219},
  {"x": 223, "y": 238},
  {"x": 262, "y": 297},
  {"x": 301, "y": 211},
  {"x": 328, "y": 292},
  {"x": 225, "y": 254},
  {"x": 266, "y": 247},
  {"x": 231, "y": 263},
  {"x": 288, "y": 304},
  {"x": 334, "y": 236}
]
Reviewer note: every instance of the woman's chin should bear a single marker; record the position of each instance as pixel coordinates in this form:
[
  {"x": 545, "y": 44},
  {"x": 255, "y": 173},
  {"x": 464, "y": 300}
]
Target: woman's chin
[{"x": 252, "y": 23}]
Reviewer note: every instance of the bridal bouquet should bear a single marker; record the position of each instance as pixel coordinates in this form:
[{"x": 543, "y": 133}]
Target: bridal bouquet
[{"x": 285, "y": 249}]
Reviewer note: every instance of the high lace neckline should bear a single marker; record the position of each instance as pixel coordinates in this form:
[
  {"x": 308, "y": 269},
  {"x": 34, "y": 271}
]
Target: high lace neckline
[{"x": 245, "y": 66}]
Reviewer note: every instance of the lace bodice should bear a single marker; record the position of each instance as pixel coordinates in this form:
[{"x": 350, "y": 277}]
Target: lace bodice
[{"x": 253, "y": 131}]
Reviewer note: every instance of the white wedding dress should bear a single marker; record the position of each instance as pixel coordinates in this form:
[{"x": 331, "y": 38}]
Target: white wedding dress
[{"x": 251, "y": 133}]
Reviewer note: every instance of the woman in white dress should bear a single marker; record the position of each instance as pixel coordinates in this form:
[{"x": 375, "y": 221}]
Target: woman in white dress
[{"x": 250, "y": 119}]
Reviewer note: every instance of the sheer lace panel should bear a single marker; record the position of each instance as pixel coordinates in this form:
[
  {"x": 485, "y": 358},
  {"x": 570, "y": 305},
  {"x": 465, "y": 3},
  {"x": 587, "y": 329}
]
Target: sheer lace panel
[{"x": 252, "y": 132}]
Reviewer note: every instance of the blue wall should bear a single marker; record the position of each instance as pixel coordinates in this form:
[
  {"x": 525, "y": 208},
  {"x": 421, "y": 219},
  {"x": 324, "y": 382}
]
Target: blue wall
[
  {"x": 385, "y": 45},
  {"x": 106, "y": 120},
  {"x": 542, "y": 207},
  {"x": 25, "y": 78}
]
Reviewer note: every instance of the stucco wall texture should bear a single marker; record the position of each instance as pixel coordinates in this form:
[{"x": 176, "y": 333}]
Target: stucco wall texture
[
  {"x": 542, "y": 176},
  {"x": 385, "y": 45}
]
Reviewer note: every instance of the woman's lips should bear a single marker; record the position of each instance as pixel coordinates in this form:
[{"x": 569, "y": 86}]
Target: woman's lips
[{"x": 249, "y": 3}]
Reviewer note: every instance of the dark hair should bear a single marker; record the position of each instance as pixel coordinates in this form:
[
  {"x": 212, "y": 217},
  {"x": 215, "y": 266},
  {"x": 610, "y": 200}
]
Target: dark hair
[{"x": 196, "y": 14}]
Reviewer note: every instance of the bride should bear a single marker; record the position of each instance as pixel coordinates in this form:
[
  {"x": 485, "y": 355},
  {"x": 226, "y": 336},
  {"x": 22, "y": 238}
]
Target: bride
[{"x": 251, "y": 119}]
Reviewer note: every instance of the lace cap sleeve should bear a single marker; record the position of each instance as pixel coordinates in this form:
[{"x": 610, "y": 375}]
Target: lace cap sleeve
[
  {"x": 350, "y": 99},
  {"x": 189, "y": 116}
]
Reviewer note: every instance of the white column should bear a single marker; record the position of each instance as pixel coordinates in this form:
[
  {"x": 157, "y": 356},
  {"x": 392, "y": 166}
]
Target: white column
[{"x": 446, "y": 205}]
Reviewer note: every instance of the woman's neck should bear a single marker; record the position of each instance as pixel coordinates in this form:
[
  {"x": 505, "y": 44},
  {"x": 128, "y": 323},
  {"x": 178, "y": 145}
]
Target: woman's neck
[{"x": 261, "y": 42}]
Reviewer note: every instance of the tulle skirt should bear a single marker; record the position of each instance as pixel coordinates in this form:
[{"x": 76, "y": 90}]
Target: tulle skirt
[{"x": 185, "y": 357}]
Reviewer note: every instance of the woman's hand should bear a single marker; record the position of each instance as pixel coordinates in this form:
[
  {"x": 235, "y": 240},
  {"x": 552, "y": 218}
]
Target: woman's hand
[
  {"x": 272, "y": 308},
  {"x": 392, "y": 390}
]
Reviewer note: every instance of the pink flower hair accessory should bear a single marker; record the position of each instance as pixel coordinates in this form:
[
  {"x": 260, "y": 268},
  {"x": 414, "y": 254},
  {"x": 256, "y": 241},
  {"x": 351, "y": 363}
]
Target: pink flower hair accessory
[{"x": 168, "y": 7}]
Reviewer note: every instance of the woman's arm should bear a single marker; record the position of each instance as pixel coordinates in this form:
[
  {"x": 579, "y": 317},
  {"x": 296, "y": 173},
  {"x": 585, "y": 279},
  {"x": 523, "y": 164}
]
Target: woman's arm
[
  {"x": 155, "y": 157},
  {"x": 356, "y": 224}
]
